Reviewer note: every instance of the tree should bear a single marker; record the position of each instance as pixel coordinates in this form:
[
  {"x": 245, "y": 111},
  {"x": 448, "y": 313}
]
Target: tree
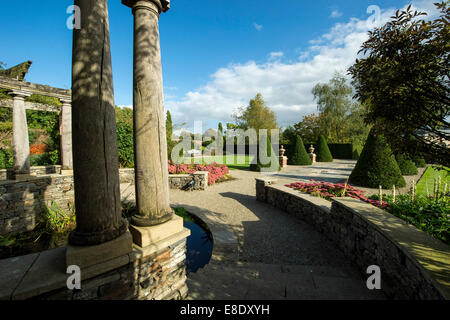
[
  {"x": 310, "y": 128},
  {"x": 323, "y": 152},
  {"x": 299, "y": 155},
  {"x": 257, "y": 115},
  {"x": 376, "y": 165},
  {"x": 2, "y": 66},
  {"x": 169, "y": 133},
  {"x": 406, "y": 165},
  {"x": 220, "y": 129},
  {"x": 125, "y": 142},
  {"x": 403, "y": 79},
  {"x": 335, "y": 104}
]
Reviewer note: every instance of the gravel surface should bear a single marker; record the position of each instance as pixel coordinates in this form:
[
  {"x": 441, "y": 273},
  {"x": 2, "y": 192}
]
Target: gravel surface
[{"x": 265, "y": 234}]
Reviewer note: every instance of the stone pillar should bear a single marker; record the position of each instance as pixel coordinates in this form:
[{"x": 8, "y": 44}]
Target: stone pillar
[
  {"x": 151, "y": 169},
  {"x": 66, "y": 134},
  {"x": 21, "y": 143},
  {"x": 100, "y": 226}
]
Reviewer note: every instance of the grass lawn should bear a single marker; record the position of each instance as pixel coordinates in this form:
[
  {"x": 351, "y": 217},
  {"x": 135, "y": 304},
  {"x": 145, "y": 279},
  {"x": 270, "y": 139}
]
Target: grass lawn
[
  {"x": 234, "y": 162},
  {"x": 428, "y": 178}
]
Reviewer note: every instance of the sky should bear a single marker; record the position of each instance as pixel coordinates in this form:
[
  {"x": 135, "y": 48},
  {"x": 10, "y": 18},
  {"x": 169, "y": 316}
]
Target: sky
[{"x": 216, "y": 54}]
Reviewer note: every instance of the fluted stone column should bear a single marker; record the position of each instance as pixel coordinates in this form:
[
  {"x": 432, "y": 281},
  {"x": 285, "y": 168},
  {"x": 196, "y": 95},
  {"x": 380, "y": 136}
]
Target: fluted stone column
[
  {"x": 95, "y": 156},
  {"x": 21, "y": 144},
  {"x": 66, "y": 134},
  {"x": 151, "y": 168}
]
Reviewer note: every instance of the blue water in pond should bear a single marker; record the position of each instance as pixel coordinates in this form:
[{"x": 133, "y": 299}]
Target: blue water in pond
[{"x": 199, "y": 247}]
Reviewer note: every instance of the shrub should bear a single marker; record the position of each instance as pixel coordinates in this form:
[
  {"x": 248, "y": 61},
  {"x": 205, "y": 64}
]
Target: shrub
[
  {"x": 299, "y": 155},
  {"x": 419, "y": 162},
  {"x": 406, "y": 165},
  {"x": 125, "y": 144},
  {"x": 377, "y": 166},
  {"x": 6, "y": 158},
  {"x": 329, "y": 191},
  {"x": 216, "y": 171},
  {"x": 323, "y": 152},
  {"x": 273, "y": 163}
]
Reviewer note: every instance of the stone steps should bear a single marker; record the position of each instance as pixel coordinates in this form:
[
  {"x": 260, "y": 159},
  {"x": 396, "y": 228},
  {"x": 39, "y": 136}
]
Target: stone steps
[{"x": 258, "y": 281}]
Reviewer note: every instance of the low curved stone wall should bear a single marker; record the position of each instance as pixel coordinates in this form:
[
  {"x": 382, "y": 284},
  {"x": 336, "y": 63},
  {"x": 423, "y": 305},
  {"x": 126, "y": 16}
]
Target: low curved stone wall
[
  {"x": 413, "y": 264},
  {"x": 176, "y": 181},
  {"x": 7, "y": 174}
]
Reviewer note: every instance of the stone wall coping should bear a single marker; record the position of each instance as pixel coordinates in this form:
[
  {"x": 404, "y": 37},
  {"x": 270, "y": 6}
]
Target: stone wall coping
[
  {"x": 32, "y": 179},
  {"x": 430, "y": 255},
  {"x": 43, "y": 272}
]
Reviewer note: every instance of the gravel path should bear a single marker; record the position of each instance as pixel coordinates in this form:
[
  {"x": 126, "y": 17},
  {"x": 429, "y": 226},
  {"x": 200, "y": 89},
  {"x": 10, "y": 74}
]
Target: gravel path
[{"x": 265, "y": 234}]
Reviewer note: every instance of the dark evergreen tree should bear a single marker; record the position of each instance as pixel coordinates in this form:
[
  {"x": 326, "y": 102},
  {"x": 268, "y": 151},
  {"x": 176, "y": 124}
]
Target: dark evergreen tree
[
  {"x": 323, "y": 152},
  {"x": 377, "y": 166},
  {"x": 299, "y": 155}
]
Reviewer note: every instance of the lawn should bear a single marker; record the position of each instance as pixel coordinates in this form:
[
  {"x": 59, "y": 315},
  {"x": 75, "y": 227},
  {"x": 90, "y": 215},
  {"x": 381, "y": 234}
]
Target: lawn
[
  {"x": 234, "y": 162},
  {"x": 428, "y": 179}
]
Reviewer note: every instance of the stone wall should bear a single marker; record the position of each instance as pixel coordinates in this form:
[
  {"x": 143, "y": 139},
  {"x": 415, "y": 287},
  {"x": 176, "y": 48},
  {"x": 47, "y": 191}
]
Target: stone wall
[
  {"x": 7, "y": 174},
  {"x": 413, "y": 264},
  {"x": 153, "y": 273},
  {"x": 176, "y": 181},
  {"x": 22, "y": 202}
]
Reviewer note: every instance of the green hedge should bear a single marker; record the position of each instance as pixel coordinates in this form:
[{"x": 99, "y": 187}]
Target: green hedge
[{"x": 406, "y": 165}]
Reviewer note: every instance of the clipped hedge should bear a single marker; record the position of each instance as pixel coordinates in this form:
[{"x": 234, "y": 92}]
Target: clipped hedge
[
  {"x": 377, "y": 166},
  {"x": 406, "y": 165},
  {"x": 323, "y": 152},
  {"x": 299, "y": 155}
]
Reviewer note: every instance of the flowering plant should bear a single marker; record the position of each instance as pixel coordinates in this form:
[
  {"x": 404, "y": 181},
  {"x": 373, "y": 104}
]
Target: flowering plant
[
  {"x": 216, "y": 171},
  {"x": 329, "y": 190}
]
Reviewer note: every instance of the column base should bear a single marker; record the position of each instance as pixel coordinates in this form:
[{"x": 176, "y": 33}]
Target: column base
[
  {"x": 87, "y": 256},
  {"x": 145, "y": 236},
  {"x": 67, "y": 172}
]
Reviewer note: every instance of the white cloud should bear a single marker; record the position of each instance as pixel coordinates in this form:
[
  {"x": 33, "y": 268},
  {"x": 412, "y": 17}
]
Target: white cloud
[
  {"x": 257, "y": 26},
  {"x": 336, "y": 14},
  {"x": 276, "y": 55},
  {"x": 285, "y": 86}
]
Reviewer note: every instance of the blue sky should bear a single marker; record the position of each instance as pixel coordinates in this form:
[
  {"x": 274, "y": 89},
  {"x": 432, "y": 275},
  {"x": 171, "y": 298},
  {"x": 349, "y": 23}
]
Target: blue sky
[{"x": 217, "y": 54}]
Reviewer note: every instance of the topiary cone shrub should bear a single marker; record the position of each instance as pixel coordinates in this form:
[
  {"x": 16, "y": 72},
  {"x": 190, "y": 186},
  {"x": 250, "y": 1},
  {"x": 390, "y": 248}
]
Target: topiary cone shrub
[
  {"x": 406, "y": 165},
  {"x": 323, "y": 152},
  {"x": 377, "y": 166},
  {"x": 299, "y": 156},
  {"x": 273, "y": 164}
]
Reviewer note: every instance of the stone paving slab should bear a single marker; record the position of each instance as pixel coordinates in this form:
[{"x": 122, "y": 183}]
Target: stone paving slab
[{"x": 14, "y": 269}]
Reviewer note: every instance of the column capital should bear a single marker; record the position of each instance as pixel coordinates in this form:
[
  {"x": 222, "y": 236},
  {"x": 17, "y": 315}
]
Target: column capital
[
  {"x": 163, "y": 5},
  {"x": 19, "y": 93}
]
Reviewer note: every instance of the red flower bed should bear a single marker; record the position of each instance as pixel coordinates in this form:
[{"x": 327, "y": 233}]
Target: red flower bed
[
  {"x": 328, "y": 191},
  {"x": 216, "y": 171},
  {"x": 38, "y": 149}
]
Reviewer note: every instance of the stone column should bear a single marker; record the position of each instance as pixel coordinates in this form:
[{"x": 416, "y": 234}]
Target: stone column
[
  {"x": 66, "y": 134},
  {"x": 95, "y": 157},
  {"x": 151, "y": 169},
  {"x": 21, "y": 143}
]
